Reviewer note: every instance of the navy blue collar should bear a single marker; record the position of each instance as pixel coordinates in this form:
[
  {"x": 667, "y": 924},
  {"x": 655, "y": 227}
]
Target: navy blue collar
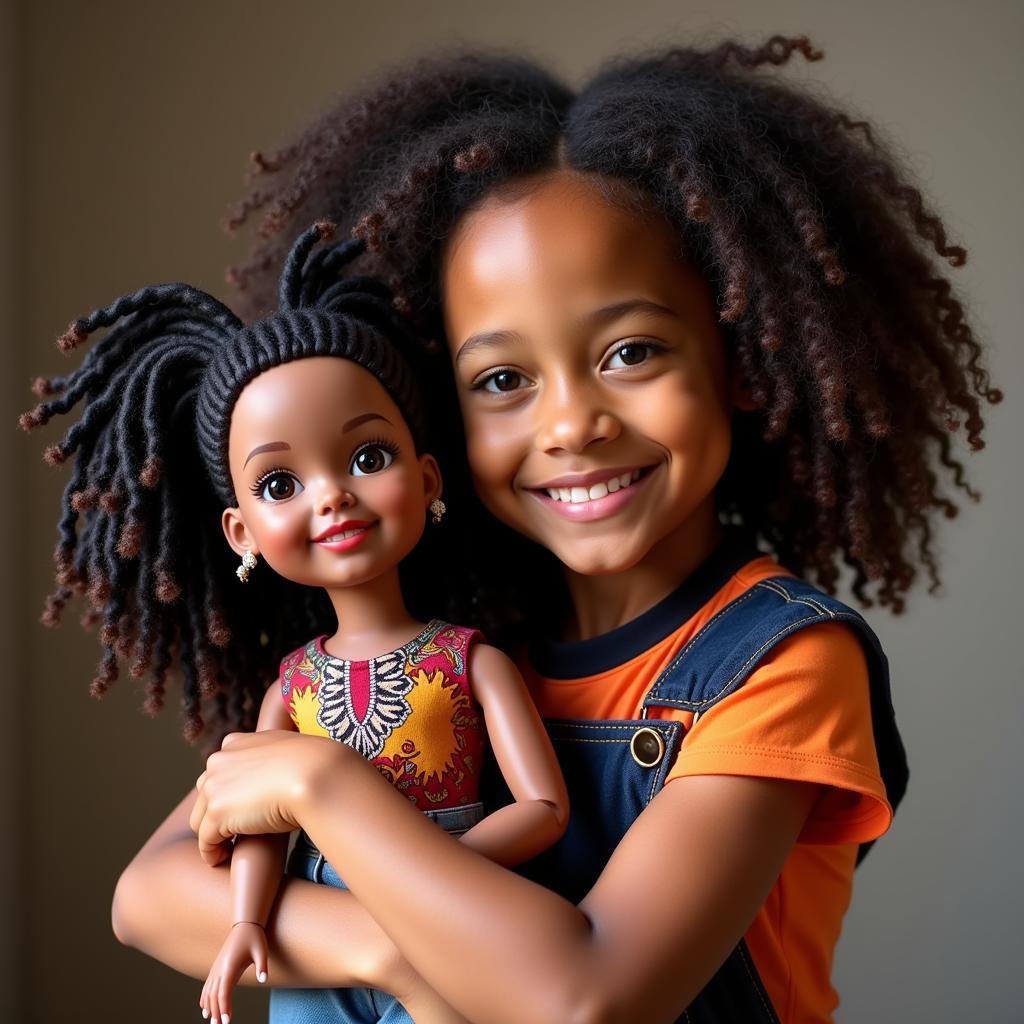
[{"x": 574, "y": 659}]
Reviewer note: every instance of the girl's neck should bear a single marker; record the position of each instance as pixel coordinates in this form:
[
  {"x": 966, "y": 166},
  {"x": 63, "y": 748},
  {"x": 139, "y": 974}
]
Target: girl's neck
[
  {"x": 372, "y": 618},
  {"x": 603, "y": 603}
]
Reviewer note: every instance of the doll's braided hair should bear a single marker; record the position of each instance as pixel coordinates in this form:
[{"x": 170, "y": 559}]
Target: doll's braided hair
[
  {"x": 824, "y": 257},
  {"x": 140, "y": 532}
]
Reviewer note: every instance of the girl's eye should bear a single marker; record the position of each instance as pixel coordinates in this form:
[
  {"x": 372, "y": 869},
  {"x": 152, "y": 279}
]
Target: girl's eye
[
  {"x": 372, "y": 458},
  {"x": 631, "y": 354},
  {"x": 277, "y": 485},
  {"x": 500, "y": 381}
]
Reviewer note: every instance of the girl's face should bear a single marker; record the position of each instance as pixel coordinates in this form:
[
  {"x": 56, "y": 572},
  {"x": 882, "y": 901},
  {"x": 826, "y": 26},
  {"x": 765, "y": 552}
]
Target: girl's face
[
  {"x": 330, "y": 490},
  {"x": 591, "y": 374}
]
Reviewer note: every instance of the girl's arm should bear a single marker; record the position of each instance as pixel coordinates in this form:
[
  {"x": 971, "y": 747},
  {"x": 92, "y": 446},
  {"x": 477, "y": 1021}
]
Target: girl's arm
[
  {"x": 674, "y": 899},
  {"x": 522, "y": 750},
  {"x": 257, "y": 866}
]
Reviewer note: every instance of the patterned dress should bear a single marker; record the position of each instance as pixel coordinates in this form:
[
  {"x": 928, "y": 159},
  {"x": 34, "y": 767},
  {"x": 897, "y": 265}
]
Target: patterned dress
[{"x": 409, "y": 711}]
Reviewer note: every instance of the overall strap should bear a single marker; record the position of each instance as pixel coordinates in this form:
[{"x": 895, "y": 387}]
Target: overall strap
[{"x": 721, "y": 656}]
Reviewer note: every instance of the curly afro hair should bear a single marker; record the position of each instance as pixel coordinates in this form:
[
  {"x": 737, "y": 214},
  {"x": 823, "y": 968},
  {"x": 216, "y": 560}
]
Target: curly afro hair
[{"x": 825, "y": 259}]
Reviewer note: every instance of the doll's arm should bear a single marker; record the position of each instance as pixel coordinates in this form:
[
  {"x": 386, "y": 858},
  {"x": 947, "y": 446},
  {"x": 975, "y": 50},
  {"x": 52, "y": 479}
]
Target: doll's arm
[
  {"x": 538, "y": 817},
  {"x": 257, "y": 865}
]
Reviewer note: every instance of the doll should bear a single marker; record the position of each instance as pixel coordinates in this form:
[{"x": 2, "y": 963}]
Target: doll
[{"x": 310, "y": 430}]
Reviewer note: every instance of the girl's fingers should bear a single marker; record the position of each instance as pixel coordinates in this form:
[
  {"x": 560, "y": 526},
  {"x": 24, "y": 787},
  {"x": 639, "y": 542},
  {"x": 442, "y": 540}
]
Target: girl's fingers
[{"x": 198, "y": 812}]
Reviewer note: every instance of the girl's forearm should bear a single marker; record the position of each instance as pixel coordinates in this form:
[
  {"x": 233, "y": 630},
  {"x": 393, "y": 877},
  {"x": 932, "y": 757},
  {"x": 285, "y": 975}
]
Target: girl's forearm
[
  {"x": 440, "y": 928},
  {"x": 175, "y": 908}
]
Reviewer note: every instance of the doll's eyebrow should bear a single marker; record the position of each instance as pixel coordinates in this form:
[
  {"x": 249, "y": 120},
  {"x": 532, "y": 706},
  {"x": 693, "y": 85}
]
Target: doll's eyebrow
[
  {"x": 605, "y": 315},
  {"x": 283, "y": 446},
  {"x": 273, "y": 446},
  {"x": 357, "y": 421}
]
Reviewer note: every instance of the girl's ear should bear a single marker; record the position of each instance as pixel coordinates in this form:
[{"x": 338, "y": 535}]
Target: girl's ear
[
  {"x": 432, "y": 482},
  {"x": 739, "y": 389},
  {"x": 237, "y": 533}
]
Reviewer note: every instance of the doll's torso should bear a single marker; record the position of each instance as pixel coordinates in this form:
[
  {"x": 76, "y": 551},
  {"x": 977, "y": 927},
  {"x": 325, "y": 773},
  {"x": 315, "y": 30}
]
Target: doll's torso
[{"x": 410, "y": 711}]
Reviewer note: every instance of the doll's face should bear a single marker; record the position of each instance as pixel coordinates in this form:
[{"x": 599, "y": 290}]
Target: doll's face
[
  {"x": 315, "y": 444},
  {"x": 589, "y": 363}
]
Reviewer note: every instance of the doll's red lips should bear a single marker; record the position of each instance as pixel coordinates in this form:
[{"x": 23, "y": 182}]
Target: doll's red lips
[{"x": 346, "y": 527}]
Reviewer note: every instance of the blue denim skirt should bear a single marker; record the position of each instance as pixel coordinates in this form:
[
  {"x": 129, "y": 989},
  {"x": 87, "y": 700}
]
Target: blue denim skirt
[{"x": 349, "y": 1005}]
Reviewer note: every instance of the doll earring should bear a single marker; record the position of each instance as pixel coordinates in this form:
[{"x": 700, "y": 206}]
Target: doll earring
[
  {"x": 437, "y": 510},
  {"x": 248, "y": 564}
]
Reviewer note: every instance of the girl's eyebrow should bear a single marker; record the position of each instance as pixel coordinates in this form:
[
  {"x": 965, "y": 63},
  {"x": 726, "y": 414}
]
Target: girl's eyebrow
[
  {"x": 604, "y": 315},
  {"x": 283, "y": 446}
]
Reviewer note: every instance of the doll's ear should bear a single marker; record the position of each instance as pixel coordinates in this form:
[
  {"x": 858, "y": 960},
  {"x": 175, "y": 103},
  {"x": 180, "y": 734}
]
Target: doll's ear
[
  {"x": 237, "y": 533},
  {"x": 432, "y": 482}
]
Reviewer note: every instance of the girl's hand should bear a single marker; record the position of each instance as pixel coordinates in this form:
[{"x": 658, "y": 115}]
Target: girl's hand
[
  {"x": 255, "y": 784},
  {"x": 246, "y": 944}
]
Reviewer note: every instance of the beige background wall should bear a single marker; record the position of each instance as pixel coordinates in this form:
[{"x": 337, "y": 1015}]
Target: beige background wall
[{"x": 115, "y": 167}]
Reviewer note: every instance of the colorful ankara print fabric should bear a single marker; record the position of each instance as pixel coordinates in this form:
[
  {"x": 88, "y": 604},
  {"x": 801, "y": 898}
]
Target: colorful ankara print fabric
[{"x": 410, "y": 711}]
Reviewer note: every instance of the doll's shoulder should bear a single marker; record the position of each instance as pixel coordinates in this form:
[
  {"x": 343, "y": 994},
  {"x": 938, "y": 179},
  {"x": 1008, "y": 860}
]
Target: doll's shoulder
[
  {"x": 445, "y": 645},
  {"x": 299, "y": 667}
]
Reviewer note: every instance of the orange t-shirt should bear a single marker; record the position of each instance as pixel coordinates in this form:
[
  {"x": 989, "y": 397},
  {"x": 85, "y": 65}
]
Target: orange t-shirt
[{"x": 803, "y": 714}]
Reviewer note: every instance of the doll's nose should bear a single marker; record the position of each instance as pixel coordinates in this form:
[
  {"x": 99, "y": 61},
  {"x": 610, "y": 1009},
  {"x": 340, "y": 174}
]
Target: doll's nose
[{"x": 331, "y": 497}]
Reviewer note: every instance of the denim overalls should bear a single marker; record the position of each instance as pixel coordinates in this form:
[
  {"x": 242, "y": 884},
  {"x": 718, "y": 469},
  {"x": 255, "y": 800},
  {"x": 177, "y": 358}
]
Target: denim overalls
[{"x": 614, "y": 768}]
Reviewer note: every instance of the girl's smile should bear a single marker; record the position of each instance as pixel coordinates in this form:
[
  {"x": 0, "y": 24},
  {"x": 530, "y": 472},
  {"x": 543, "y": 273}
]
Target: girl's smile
[{"x": 592, "y": 378}]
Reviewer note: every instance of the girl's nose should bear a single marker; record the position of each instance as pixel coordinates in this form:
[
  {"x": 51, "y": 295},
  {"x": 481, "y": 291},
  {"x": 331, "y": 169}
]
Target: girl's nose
[{"x": 572, "y": 417}]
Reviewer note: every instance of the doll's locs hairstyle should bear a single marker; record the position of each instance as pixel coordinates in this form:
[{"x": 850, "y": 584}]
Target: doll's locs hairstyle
[
  {"x": 151, "y": 476},
  {"x": 821, "y": 251}
]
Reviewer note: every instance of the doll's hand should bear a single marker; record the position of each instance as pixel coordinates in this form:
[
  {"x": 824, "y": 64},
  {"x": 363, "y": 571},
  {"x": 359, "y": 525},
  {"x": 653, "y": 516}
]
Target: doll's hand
[
  {"x": 255, "y": 784},
  {"x": 246, "y": 944}
]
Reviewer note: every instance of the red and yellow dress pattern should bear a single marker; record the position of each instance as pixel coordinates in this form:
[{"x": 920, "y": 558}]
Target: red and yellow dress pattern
[{"x": 410, "y": 711}]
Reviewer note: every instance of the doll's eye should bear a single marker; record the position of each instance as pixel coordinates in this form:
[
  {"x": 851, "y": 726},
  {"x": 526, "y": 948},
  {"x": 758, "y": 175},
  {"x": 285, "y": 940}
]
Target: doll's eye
[
  {"x": 373, "y": 457},
  {"x": 276, "y": 485},
  {"x": 499, "y": 381},
  {"x": 632, "y": 353}
]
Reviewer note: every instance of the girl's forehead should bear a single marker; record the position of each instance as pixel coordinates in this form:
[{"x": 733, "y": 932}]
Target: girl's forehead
[{"x": 560, "y": 250}]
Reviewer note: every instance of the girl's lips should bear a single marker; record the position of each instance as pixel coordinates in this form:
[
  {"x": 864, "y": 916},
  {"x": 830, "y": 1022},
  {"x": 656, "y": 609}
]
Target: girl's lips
[
  {"x": 339, "y": 543},
  {"x": 596, "y": 508}
]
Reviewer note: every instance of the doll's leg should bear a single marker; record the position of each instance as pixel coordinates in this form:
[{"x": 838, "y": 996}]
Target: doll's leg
[
  {"x": 322, "y": 1006},
  {"x": 319, "y": 1005}
]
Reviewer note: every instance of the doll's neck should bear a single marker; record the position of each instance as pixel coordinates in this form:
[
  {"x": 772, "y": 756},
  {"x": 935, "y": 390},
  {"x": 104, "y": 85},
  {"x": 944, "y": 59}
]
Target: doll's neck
[
  {"x": 603, "y": 603},
  {"x": 372, "y": 619}
]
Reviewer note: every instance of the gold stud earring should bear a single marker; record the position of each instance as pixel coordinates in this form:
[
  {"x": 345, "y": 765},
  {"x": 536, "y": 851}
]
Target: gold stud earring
[
  {"x": 437, "y": 510},
  {"x": 248, "y": 564}
]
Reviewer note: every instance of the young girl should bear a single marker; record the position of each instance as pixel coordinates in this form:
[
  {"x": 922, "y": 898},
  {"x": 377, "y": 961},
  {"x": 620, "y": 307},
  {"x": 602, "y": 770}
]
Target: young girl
[
  {"x": 310, "y": 430},
  {"x": 688, "y": 310}
]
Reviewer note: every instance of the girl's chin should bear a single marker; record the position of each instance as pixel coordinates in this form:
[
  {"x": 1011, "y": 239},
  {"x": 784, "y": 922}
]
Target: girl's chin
[{"x": 596, "y": 559}]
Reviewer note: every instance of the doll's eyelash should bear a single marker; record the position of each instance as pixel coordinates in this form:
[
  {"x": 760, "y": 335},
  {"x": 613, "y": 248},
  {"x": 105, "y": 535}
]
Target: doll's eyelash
[
  {"x": 257, "y": 486},
  {"x": 379, "y": 442}
]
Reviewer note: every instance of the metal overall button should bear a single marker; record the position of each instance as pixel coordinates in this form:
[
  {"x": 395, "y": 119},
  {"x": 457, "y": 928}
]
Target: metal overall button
[{"x": 647, "y": 747}]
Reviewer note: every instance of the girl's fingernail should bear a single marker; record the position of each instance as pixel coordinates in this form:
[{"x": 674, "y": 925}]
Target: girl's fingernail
[{"x": 261, "y": 977}]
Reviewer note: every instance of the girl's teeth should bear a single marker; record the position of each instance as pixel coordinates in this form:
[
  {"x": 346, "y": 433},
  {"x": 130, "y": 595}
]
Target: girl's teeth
[{"x": 574, "y": 495}]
